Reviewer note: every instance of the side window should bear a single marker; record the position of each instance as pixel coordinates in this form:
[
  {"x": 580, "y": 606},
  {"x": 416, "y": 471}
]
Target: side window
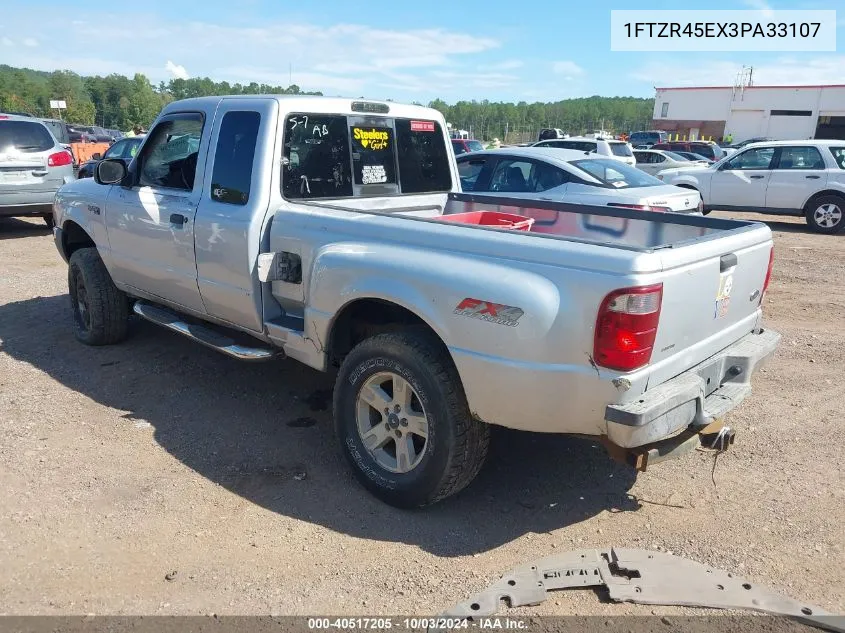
[
  {"x": 512, "y": 176},
  {"x": 459, "y": 148},
  {"x": 116, "y": 150},
  {"x": 423, "y": 158},
  {"x": 641, "y": 157},
  {"x": 800, "y": 158},
  {"x": 316, "y": 157},
  {"x": 658, "y": 158},
  {"x": 757, "y": 158},
  {"x": 839, "y": 156},
  {"x": 234, "y": 156},
  {"x": 545, "y": 177},
  {"x": 170, "y": 156},
  {"x": 469, "y": 170}
]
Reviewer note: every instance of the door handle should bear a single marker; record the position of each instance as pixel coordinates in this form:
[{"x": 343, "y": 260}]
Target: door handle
[
  {"x": 756, "y": 177},
  {"x": 178, "y": 218},
  {"x": 813, "y": 177}
]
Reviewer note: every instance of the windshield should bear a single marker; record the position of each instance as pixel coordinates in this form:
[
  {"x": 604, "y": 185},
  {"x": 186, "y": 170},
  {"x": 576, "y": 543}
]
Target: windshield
[
  {"x": 620, "y": 149},
  {"x": 677, "y": 157},
  {"x": 24, "y": 137},
  {"x": 616, "y": 174},
  {"x": 475, "y": 146}
]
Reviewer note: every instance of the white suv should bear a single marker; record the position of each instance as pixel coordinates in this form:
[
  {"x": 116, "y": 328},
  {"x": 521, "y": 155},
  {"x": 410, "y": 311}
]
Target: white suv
[
  {"x": 777, "y": 177},
  {"x": 620, "y": 150}
]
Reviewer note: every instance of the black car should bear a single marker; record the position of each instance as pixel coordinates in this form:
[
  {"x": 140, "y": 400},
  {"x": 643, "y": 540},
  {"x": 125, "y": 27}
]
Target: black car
[
  {"x": 80, "y": 134},
  {"x": 125, "y": 149}
]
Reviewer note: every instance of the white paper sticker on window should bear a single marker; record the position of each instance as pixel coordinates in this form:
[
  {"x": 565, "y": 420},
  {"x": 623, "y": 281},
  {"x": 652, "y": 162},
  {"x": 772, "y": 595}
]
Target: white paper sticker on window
[{"x": 373, "y": 174}]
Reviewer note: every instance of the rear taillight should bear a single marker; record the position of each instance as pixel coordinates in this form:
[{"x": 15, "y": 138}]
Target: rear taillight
[
  {"x": 59, "y": 159},
  {"x": 626, "y": 327},
  {"x": 639, "y": 207},
  {"x": 768, "y": 274}
]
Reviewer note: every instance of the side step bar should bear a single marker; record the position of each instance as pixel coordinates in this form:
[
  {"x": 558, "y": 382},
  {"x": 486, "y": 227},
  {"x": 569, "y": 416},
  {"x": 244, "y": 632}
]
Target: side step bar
[{"x": 203, "y": 334}]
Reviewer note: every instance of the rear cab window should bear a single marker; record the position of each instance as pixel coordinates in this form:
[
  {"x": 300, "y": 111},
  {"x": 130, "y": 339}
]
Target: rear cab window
[
  {"x": 337, "y": 156},
  {"x": 25, "y": 136}
]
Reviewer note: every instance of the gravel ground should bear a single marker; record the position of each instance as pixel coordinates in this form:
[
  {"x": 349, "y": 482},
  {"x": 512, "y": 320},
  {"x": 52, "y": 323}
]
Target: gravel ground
[{"x": 157, "y": 476}]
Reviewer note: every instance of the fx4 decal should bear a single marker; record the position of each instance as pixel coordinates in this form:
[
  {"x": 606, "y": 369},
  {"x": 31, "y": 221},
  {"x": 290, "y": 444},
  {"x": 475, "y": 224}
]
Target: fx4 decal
[{"x": 487, "y": 311}]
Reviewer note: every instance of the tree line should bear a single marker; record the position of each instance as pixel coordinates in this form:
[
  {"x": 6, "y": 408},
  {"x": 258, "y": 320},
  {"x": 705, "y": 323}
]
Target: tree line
[{"x": 119, "y": 102}]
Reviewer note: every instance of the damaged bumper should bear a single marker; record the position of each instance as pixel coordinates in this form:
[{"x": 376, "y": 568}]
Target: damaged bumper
[{"x": 692, "y": 401}]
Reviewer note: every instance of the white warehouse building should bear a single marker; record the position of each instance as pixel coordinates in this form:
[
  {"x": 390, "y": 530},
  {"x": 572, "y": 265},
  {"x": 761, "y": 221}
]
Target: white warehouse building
[{"x": 777, "y": 112}]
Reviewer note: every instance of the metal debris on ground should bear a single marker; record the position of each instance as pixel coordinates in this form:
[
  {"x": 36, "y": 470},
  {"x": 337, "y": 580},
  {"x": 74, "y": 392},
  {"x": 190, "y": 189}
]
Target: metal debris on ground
[{"x": 642, "y": 577}]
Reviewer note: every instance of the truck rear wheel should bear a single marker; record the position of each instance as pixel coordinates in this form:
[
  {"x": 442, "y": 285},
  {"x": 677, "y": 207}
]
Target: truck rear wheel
[
  {"x": 403, "y": 421},
  {"x": 100, "y": 310}
]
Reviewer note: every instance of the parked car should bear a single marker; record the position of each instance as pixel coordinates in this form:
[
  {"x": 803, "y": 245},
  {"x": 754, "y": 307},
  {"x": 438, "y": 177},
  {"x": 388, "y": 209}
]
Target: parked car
[
  {"x": 570, "y": 176},
  {"x": 462, "y": 146},
  {"x": 59, "y": 129},
  {"x": 748, "y": 141},
  {"x": 646, "y": 139},
  {"x": 779, "y": 177},
  {"x": 33, "y": 165},
  {"x": 705, "y": 148},
  {"x": 80, "y": 134},
  {"x": 618, "y": 150},
  {"x": 358, "y": 254},
  {"x": 652, "y": 161},
  {"x": 696, "y": 158},
  {"x": 124, "y": 149}
]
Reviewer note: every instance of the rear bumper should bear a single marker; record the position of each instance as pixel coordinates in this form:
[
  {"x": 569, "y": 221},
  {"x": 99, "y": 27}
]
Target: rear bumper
[
  {"x": 27, "y": 203},
  {"x": 695, "y": 398}
]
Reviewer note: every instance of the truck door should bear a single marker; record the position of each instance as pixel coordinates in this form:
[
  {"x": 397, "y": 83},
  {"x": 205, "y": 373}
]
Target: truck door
[
  {"x": 233, "y": 207},
  {"x": 150, "y": 224}
]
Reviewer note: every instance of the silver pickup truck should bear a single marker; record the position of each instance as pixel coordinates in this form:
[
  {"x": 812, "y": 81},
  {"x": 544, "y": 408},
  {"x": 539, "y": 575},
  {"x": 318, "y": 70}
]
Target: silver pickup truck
[{"x": 326, "y": 230}]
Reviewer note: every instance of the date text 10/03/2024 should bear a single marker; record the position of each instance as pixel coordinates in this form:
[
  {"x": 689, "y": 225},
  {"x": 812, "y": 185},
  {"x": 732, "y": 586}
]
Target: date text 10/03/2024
[{"x": 416, "y": 624}]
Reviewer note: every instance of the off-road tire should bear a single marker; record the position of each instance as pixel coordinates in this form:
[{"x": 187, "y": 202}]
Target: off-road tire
[
  {"x": 105, "y": 319},
  {"x": 458, "y": 442}
]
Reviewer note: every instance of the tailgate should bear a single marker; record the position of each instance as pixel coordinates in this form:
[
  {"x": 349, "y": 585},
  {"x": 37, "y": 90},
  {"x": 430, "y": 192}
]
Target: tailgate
[
  {"x": 711, "y": 298},
  {"x": 25, "y": 173}
]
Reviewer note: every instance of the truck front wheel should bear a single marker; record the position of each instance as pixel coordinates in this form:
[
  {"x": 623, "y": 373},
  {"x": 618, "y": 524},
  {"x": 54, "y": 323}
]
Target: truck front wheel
[
  {"x": 100, "y": 310},
  {"x": 403, "y": 421}
]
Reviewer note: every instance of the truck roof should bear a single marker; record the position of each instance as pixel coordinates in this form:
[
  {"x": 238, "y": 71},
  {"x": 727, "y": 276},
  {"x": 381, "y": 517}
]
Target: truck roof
[{"x": 310, "y": 103}]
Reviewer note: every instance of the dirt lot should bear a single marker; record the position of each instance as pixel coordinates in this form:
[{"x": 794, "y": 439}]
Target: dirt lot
[{"x": 160, "y": 477}]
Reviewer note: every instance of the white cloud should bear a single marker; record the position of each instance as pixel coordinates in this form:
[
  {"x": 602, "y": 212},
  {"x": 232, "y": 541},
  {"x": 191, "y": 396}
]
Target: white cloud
[
  {"x": 568, "y": 69},
  {"x": 177, "y": 71},
  {"x": 781, "y": 71},
  {"x": 509, "y": 64},
  {"x": 342, "y": 58},
  {"x": 760, "y": 5},
  {"x": 478, "y": 80},
  {"x": 7, "y": 42},
  {"x": 31, "y": 42}
]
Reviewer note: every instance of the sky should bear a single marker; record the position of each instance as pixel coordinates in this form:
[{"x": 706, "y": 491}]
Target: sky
[{"x": 531, "y": 50}]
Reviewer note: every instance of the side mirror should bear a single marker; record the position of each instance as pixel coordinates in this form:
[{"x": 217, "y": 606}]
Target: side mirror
[
  {"x": 111, "y": 171},
  {"x": 96, "y": 156}
]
